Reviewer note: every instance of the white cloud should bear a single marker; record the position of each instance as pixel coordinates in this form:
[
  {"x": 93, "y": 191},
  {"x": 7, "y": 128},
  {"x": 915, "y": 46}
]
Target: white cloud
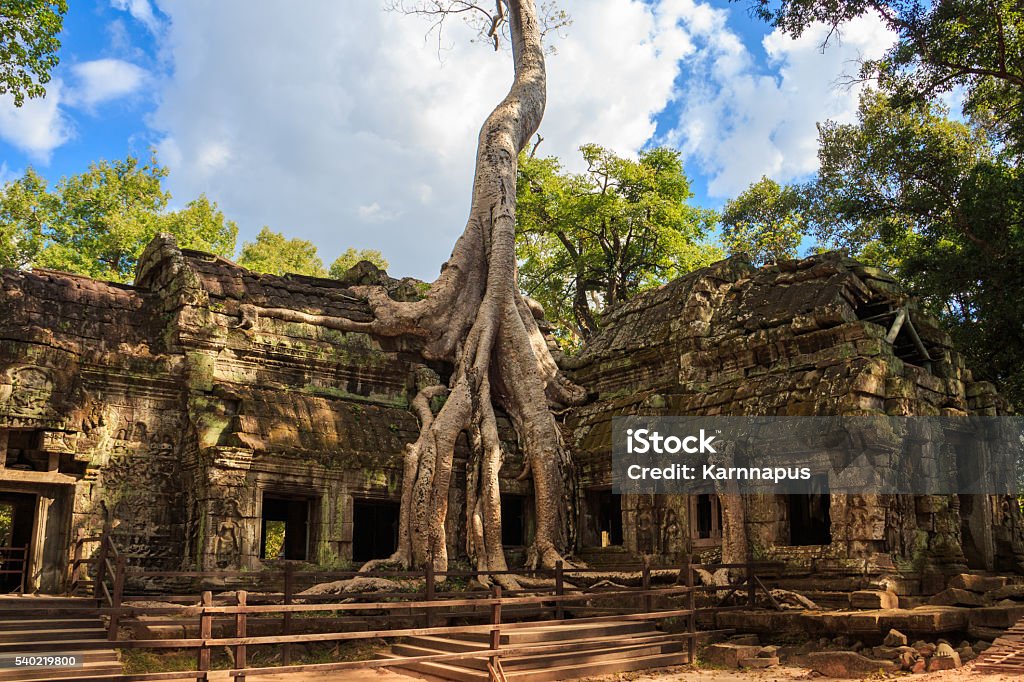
[
  {"x": 141, "y": 11},
  {"x": 740, "y": 122},
  {"x": 102, "y": 80},
  {"x": 38, "y": 126},
  {"x": 337, "y": 122}
]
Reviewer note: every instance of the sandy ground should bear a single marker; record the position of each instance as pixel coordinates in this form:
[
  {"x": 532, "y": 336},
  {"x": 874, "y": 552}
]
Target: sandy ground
[{"x": 781, "y": 674}]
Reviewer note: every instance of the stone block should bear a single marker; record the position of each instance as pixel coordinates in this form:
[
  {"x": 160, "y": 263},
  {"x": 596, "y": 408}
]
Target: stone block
[
  {"x": 895, "y": 638},
  {"x": 874, "y": 599},
  {"x": 760, "y": 662},
  {"x": 954, "y": 596},
  {"x": 729, "y": 655},
  {"x": 978, "y": 583},
  {"x": 846, "y": 664}
]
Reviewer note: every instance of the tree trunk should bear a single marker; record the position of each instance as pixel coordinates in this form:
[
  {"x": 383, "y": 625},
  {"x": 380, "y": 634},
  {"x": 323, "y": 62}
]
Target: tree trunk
[{"x": 475, "y": 317}]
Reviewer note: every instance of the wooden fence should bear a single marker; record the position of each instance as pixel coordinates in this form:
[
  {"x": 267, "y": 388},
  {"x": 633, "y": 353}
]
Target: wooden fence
[
  {"x": 14, "y": 561},
  {"x": 237, "y": 613}
]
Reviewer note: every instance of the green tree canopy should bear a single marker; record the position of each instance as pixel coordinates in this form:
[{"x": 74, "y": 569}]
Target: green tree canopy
[
  {"x": 765, "y": 222},
  {"x": 97, "y": 223},
  {"x": 974, "y": 44},
  {"x": 28, "y": 45},
  {"x": 591, "y": 240},
  {"x": 936, "y": 201},
  {"x": 276, "y": 254},
  {"x": 345, "y": 261}
]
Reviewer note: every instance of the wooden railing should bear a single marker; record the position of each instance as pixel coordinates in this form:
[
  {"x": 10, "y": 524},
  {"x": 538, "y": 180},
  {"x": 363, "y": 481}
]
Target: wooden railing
[
  {"x": 554, "y": 602},
  {"x": 14, "y": 561}
]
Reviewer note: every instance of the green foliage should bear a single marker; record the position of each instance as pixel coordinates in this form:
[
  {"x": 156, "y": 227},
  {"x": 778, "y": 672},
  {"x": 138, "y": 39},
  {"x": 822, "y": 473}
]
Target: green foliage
[
  {"x": 274, "y": 541},
  {"x": 589, "y": 241},
  {"x": 974, "y": 44},
  {"x": 345, "y": 261},
  {"x": 276, "y": 254},
  {"x": 97, "y": 223},
  {"x": 202, "y": 226},
  {"x": 23, "y": 216},
  {"x": 28, "y": 45},
  {"x": 6, "y": 524},
  {"x": 766, "y": 222},
  {"x": 938, "y": 202}
]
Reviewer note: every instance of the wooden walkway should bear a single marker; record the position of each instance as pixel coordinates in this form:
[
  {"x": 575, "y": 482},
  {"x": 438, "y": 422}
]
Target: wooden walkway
[{"x": 1006, "y": 655}]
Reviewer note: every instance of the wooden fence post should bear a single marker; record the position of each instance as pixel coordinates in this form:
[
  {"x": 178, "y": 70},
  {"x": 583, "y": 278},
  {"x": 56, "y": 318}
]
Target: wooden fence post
[
  {"x": 646, "y": 582},
  {"x": 240, "y": 631},
  {"x": 428, "y": 578},
  {"x": 101, "y": 567},
  {"x": 286, "y": 626},
  {"x": 205, "y": 632},
  {"x": 559, "y": 589},
  {"x": 76, "y": 563},
  {"x": 493, "y": 664},
  {"x": 751, "y": 584},
  {"x": 116, "y": 597},
  {"x": 691, "y": 621}
]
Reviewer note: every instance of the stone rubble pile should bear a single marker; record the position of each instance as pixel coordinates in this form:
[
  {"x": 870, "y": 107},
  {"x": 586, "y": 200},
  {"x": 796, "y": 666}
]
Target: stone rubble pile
[{"x": 844, "y": 658}]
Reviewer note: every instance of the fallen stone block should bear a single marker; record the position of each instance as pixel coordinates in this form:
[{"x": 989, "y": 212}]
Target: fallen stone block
[
  {"x": 937, "y": 663},
  {"x": 874, "y": 599},
  {"x": 729, "y": 655},
  {"x": 895, "y": 638},
  {"x": 1014, "y": 592},
  {"x": 760, "y": 662},
  {"x": 748, "y": 639},
  {"x": 978, "y": 583},
  {"x": 954, "y": 596},
  {"x": 768, "y": 651},
  {"x": 846, "y": 664},
  {"x": 888, "y": 653}
]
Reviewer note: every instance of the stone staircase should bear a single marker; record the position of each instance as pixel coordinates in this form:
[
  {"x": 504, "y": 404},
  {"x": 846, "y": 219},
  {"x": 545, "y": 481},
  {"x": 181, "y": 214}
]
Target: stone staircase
[
  {"x": 55, "y": 626},
  {"x": 551, "y": 651},
  {"x": 612, "y": 558}
]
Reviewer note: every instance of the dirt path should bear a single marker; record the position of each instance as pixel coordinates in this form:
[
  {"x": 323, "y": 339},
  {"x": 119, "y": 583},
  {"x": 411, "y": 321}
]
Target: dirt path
[{"x": 780, "y": 674}]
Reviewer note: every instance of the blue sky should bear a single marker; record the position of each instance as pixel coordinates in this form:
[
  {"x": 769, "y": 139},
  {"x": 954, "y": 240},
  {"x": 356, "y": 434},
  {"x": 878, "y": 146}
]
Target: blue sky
[{"x": 340, "y": 123}]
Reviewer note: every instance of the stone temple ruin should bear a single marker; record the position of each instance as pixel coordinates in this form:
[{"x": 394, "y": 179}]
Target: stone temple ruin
[{"x": 194, "y": 412}]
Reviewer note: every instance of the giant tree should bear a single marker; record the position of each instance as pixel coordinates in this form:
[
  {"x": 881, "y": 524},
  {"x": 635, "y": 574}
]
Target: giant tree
[{"x": 475, "y": 318}]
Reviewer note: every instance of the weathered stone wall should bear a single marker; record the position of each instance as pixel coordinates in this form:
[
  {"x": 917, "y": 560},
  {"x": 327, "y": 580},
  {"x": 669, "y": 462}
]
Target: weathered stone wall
[
  {"x": 101, "y": 406},
  {"x": 175, "y": 406},
  {"x": 801, "y": 338}
]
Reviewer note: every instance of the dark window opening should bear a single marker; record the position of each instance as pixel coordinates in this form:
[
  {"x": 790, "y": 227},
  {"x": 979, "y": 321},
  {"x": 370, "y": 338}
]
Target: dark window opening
[
  {"x": 17, "y": 521},
  {"x": 609, "y": 518},
  {"x": 285, "y": 528},
  {"x": 809, "y": 516},
  {"x": 21, "y": 445},
  {"x": 908, "y": 345},
  {"x": 705, "y": 518},
  {"x": 374, "y": 530},
  {"x": 513, "y": 520}
]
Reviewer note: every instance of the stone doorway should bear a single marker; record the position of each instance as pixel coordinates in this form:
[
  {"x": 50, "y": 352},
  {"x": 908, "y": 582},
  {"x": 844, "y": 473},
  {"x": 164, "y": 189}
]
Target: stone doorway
[
  {"x": 17, "y": 529},
  {"x": 374, "y": 529},
  {"x": 285, "y": 527},
  {"x": 607, "y": 508},
  {"x": 513, "y": 520},
  {"x": 810, "y": 521}
]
